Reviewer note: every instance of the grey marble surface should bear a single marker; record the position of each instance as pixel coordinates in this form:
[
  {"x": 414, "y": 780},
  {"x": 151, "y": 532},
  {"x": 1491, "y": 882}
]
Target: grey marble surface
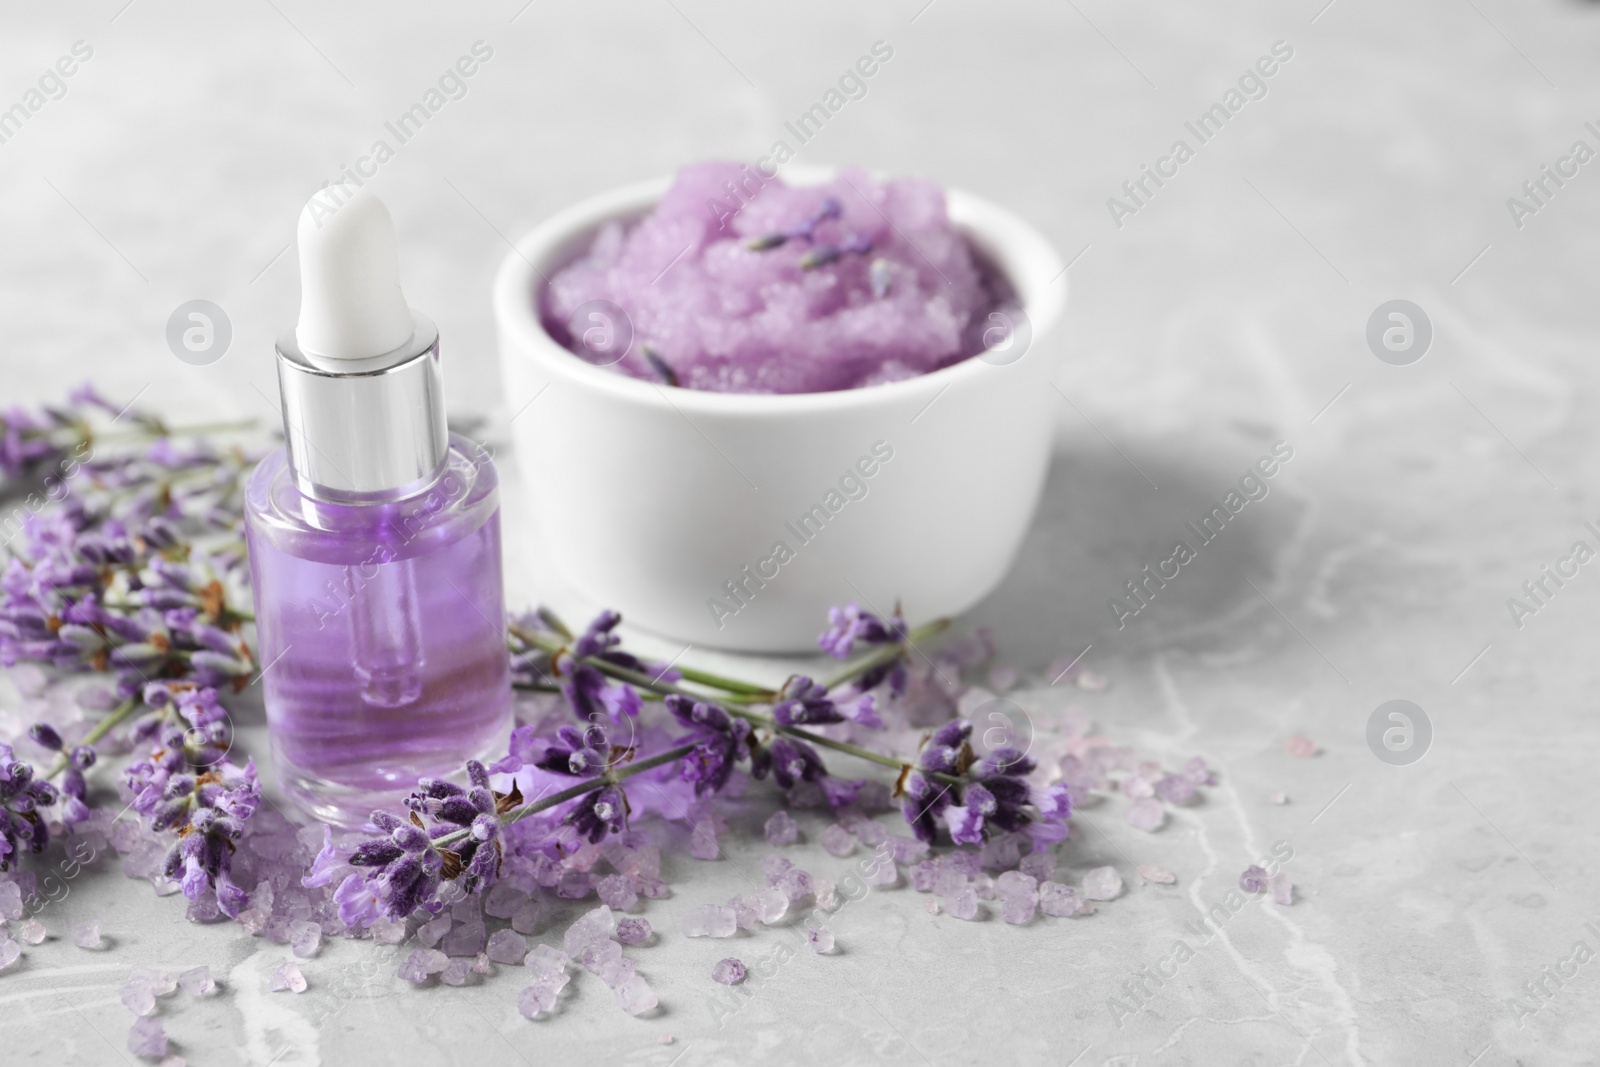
[{"x": 1228, "y": 312}]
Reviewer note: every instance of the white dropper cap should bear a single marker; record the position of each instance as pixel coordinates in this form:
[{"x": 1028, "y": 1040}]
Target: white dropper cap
[{"x": 351, "y": 305}]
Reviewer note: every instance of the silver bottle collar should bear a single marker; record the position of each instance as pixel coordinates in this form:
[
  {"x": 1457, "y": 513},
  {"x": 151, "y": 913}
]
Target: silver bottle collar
[{"x": 364, "y": 429}]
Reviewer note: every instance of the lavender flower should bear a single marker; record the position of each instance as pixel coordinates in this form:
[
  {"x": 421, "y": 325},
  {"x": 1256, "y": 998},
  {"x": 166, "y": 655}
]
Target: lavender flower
[
  {"x": 587, "y": 689},
  {"x": 949, "y": 752},
  {"x": 720, "y": 741},
  {"x": 602, "y": 812},
  {"x": 804, "y": 230},
  {"x": 21, "y": 797},
  {"x": 849, "y": 625}
]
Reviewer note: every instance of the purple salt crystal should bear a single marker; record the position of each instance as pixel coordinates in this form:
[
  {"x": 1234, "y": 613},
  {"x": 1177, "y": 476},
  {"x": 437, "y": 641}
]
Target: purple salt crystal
[
  {"x": 457, "y": 972},
  {"x": 1018, "y": 895},
  {"x": 1254, "y": 879},
  {"x": 771, "y": 904},
  {"x": 161, "y": 983},
  {"x": 594, "y": 926},
  {"x": 907, "y": 850},
  {"x": 635, "y": 996},
  {"x": 703, "y": 841},
  {"x": 872, "y": 834},
  {"x": 87, "y": 934},
  {"x": 838, "y": 840},
  {"x": 774, "y": 867},
  {"x": 1001, "y": 853},
  {"x": 1102, "y": 883},
  {"x": 1146, "y": 815},
  {"x": 386, "y": 931},
  {"x": 924, "y": 876},
  {"x": 711, "y": 920},
  {"x": 1059, "y": 900},
  {"x": 782, "y": 830},
  {"x": 464, "y": 939},
  {"x": 1040, "y": 866},
  {"x": 502, "y": 900},
  {"x": 137, "y": 997},
  {"x": 728, "y": 972},
  {"x": 197, "y": 981},
  {"x": 540, "y": 997},
  {"x": 304, "y": 939},
  {"x": 821, "y": 939},
  {"x": 482, "y": 965},
  {"x": 507, "y": 946},
  {"x": 796, "y": 884},
  {"x": 596, "y": 954},
  {"x": 1198, "y": 773},
  {"x": 416, "y": 967},
  {"x": 289, "y": 977},
  {"x": 204, "y": 909},
  {"x": 546, "y": 959},
  {"x": 430, "y": 932},
  {"x": 744, "y": 912},
  {"x": 880, "y": 870},
  {"x": 32, "y": 932},
  {"x": 614, "y": 972},
  {"x": 616, "y": 893},
  {"x": 10, "y": 953},
  {"x": 147, "y": 1039},
  {"x": 525, "y": 920},
  {"x": 1138, "y": 788},
  {"x": 1175, "y": 788},
  {"x": 964, "y": 905},
  {"x": 633, "y": 931},
  {"x": 1282, "y": 889},
  {"x": 575, "y": 885}
]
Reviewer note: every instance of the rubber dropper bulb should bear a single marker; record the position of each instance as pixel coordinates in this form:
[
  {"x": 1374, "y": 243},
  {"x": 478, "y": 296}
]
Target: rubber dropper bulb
[{"x": 351, "y": 304}]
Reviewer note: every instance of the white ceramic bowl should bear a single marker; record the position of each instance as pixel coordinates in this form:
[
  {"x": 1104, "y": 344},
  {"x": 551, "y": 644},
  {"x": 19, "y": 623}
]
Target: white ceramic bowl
[{"x": 665, "y": 503}]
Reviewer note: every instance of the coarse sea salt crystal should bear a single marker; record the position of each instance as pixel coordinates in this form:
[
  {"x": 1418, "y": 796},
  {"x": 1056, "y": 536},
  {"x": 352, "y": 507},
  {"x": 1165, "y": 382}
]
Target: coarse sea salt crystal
[
  {"x": 546, "y": 959},
  {"x": 147, "y": 1039},
  {"x": 1041, "y": 866},
  {"x": 507, "y": 946},
  {"x": 1253, "y": 879},
  {"x": 87, "y": 934},
  {"x": 1282, "y": 889},
  {"x": 457, "y": 972},
  {"x": 1278, "y": 798},
  {"x": 540, "y": 997},
  {"x": 1150, "y": 872},
  {"x": 304, "y": 939},
  {"x": 617, "y": 971},
  {"x": 32, "y": 932},
  {"x": 197, "y": 981},
  {"x": 464, "y": 939},
  {"x": 711, "y": 920},
  {"x": 820, "y": 938},
  {"x": 633, "y": 931},
  {"x": 964, "y": 905},
  {"x": 838, "y": 840},
  {"x": 1301, "y": 746},
  {"x": 431, "y": 931},
  {"x": 728, "y": 972},
  {"x": 289, "y": 977},
  {"x": 525, "y": 920},
  {"x": 137, "y": 997},
  {"x": 1147, "y": 814},
  {"x": 782, "y": 830},
  {"x": 635, "y": 996},
  {"x": 10, "y": 953},
  {"x": 1102, "y": 883},
  {"x": 1058, "y": 899}
]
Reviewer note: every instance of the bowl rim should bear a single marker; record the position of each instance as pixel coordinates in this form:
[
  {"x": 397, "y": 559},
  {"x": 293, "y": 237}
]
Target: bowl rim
[{"x": 1003, "y": 236}]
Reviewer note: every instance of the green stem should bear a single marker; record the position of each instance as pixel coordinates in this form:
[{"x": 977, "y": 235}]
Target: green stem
[
  {"x": 610, "y": 777},
  {"x": 887, "y": 653},
  {"x": 175, "y": 431},
  {"x": 104, "y": 726}
]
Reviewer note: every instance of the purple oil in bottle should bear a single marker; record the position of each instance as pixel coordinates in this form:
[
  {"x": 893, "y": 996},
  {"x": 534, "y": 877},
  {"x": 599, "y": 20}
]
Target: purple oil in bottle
[{"x": 381, "y": 633}]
